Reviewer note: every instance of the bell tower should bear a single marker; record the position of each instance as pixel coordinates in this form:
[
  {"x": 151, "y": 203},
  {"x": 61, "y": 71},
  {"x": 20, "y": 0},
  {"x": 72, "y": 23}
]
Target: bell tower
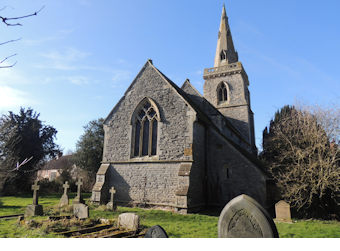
[{"x": 226, "y": 85}]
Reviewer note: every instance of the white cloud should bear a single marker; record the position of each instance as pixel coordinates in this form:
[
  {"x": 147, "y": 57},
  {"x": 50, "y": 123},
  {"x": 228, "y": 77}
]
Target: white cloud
[
  {"x": 66, "y": 60},
  {"x": 59, "y": 35},
  {"x": 13, "y": 98},
  {"x": 78, "y": 80}
]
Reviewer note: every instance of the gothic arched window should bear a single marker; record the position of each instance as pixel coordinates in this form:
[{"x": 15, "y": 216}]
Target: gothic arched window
[
  {"x": 145, "y": 129},
  {"x": 222, "y": 92},
  {"x": 223, "y": 55}
]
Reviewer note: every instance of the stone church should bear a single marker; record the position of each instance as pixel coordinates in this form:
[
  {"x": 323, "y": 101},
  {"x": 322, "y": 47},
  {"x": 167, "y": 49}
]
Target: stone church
[{"x": 169, "y": 146}]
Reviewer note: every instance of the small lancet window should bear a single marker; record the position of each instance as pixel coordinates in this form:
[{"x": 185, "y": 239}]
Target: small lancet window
[
  {"x": 222, "y": 92},
  {"x": 223, "y": 55},
  {"x": 145, "y": 124}
]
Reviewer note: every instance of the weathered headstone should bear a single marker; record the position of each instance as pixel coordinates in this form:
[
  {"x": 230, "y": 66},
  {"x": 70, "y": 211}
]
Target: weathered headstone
[
  {"x": 243, "y": 217},
  {"x": 34, "y": 209},
  {"x": 128, "y": 221},
  {"x": 64, "y": 198},
  {"x": 81, "y": 211},
  {"x": 79, "y": 197},
  {"x": 156, "y": 232},
  {"x": 282, "y": 211},
  {"x": 111, "y": 205}
]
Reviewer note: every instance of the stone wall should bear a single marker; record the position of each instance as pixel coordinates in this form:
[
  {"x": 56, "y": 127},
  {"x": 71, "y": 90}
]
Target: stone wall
[
  {"x": 230, "y": 173},
  {"x": 196, "y": 193},
  {"x": 237, "y": 108},
  {"x": 140, "y": 183},
  {"x": 174, "y": 137}
]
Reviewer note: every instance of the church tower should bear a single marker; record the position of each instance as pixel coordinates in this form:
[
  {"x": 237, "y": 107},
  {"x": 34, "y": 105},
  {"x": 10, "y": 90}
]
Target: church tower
[{"x": 226, "y": 85}]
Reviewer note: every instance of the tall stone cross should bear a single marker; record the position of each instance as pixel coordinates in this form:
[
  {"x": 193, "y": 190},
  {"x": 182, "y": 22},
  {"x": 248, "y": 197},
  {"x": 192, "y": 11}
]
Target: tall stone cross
[
  {"x": 78, "y": 198},
  {"x": 35, "y": 189},
  {"x": 66, "y": 186},
  {"x": 112, "y": 192},
  {"x": 79, "y": 183}
]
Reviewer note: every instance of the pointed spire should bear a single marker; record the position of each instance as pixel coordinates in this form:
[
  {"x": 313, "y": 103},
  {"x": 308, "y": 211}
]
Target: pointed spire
[{"x": 225, "y": 51}]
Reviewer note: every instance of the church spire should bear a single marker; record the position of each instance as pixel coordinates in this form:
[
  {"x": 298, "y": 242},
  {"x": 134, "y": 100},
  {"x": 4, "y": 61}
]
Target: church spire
[{"x": 225, "y": 51}]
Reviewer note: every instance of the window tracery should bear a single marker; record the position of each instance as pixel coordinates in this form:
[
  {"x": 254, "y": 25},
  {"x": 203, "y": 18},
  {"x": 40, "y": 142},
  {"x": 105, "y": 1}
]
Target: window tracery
[{"x": 145, "y": 123}]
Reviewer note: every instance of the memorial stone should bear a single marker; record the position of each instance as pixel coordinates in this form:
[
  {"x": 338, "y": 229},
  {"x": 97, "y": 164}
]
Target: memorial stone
[
  {"x": 64, "y": 198},
  {"x": 81, "y": 211},
  {"x": 282, "y": 211},
  {"x": 79, "y": 197},
  {"x": 128, "y": 221},
  {"x": 243, "y": 217},
  {"x": 34, "y": 209},
  {"x": 111, "y": 205},
  {"x": 156, "y": 232}
]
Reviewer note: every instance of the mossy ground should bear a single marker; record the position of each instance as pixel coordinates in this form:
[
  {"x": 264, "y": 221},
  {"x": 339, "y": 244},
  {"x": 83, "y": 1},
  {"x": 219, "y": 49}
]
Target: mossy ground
[{"x": 176, "y": 225}]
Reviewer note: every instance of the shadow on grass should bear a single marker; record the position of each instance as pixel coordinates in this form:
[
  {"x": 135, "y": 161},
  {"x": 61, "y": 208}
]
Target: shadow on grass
[{"x": 10, "y": 207}]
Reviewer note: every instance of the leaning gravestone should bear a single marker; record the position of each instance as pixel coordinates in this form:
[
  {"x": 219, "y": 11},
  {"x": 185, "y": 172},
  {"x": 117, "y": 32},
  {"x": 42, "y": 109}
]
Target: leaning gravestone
[
  {"x": 244, "y": 217},
  {"x": 34, "y": 209},
  {"x": 156, "y": 232},
  {"x": 81, "y": 211},
  {"x": 282, "y": 211},
  {"x": 64, "y": 199},
  {"x": 128, "y": 221}
]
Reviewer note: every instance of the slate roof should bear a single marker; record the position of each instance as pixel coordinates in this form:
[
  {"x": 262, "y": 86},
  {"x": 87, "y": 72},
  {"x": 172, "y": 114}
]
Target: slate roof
[{"x": 60, "y": 163}]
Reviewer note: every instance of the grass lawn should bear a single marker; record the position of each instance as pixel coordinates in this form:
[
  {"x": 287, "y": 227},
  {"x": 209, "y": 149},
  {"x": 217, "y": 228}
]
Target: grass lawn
[{"x": 176, "y": 225}]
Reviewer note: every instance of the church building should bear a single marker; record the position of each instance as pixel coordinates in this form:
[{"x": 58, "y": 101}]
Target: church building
[{"x": 172, "y": 147}]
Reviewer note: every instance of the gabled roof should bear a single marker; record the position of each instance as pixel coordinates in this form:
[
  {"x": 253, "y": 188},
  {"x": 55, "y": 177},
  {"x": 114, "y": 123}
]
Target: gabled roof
[
  {"x": 195, "y": 106},
  {"x": 60, "y": 163}
]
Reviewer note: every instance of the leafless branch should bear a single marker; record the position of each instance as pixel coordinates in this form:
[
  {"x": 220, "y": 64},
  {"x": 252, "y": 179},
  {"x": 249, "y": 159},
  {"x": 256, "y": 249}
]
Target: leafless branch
[
  {"x": 8, "y": 66},
  {"x": 6, "y": 20},
  {"x": 10, "y": 41}
]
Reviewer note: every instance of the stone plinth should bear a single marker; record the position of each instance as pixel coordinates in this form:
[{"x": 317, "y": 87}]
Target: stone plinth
[
  {"x": 63, "y": 200},
  {"x": 128, "y": 221},
  {"x": 34, "y": 210}
]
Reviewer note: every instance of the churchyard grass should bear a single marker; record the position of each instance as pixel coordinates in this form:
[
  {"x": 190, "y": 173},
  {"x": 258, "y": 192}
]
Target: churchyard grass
[{"x": 176, "y": 225}]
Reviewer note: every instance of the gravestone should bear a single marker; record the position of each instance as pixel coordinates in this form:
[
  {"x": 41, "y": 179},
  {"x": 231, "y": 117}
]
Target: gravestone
[
  {"x": 282, "y": 211},
  {"x": 34, "y": 209},
  {"x": 128, "y": 221},
  {"x": 64, "y": 199},
  {"x": 81, "y": 211},
  {"x": 156, "y": 232},
  {"x": 244, "y": 217},
  {"x": 112, "y": 206},
  {"x": 79, "y": 197}
]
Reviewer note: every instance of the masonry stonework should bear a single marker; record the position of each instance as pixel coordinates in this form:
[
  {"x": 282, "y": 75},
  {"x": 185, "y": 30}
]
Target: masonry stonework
[{"x": 172, "y": 147}]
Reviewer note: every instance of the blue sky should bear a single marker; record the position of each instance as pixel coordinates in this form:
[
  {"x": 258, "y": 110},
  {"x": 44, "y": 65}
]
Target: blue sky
[{"x": 76, "y": 58}]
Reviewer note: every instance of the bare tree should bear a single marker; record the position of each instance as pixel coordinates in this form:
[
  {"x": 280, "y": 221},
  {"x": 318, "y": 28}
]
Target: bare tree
[
  {"x": 302, "y": 153},
  {"x": 13, "y": 21}
]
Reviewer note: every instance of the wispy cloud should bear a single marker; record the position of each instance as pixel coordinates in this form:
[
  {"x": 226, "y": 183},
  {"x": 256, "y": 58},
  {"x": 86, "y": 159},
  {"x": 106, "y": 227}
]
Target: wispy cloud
[
  {"x": 67, "y": 60},
  {"x": 59, "y": 35},
  {"x": 120, "y": 76},
  {"x": 78, "y": 80}
]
